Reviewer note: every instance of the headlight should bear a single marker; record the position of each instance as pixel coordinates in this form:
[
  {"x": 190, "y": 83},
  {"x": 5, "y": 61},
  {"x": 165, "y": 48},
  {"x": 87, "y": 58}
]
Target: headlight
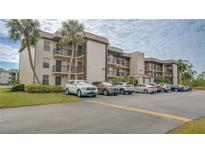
[{"x": 83, "y": 88}]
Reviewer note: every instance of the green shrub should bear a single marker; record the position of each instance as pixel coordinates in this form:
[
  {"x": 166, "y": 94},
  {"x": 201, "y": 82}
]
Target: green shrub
[
  {"x": 18, "y": 87},
  {"x": 130, "y": 79},
  {"x": 43, "y": 88},
  {"x": 14, "y": 82},
  {"x": 160, "y": 79},
  {"x": 117, "y": 79}
]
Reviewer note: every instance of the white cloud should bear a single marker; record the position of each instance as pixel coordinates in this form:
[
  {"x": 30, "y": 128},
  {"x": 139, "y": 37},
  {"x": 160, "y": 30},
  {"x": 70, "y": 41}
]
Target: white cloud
[
  {"x": 8, "y": 53},
  {"x": 3, "y": 28},
  {"x": 156, "y": 38}
]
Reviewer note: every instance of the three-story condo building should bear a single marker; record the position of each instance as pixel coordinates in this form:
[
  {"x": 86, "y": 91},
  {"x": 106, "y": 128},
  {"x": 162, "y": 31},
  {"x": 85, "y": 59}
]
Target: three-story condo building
[
  {"x": 96, "y": 60},
  {"x": 166, "y": 68}
]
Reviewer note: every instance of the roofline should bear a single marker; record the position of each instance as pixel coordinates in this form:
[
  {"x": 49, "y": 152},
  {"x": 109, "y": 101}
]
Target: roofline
[
  {"x": 87, "y": 35},
  {"x": 161, "y": 61}
]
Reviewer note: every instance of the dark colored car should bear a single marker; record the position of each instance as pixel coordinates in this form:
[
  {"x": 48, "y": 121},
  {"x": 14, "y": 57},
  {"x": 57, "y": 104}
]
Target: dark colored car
[
  {"x": 177, "y": 88},
  {"x": 105, "y": 88}
]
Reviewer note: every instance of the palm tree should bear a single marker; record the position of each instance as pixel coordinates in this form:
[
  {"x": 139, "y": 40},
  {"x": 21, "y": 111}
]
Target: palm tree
[
  {"x": 25, "y": 31},
  {"x": 72, "y": 33}
]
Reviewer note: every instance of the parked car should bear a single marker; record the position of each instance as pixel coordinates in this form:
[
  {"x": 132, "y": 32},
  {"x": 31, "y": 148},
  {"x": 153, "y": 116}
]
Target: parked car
[
  {"x": 157, "y": 86},
  {"x": 124, "y": 87},
  {"x": 105, "y": 88},
  {"x": 187, "y": 88},
  {"x": 146, "y": 89},
  {"x": 80, "y": 88},
  {"x": 177, "y": 88},
  {"x": 166, "y": 87}
]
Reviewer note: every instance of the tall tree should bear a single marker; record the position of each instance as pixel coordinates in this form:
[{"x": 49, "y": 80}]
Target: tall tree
[
  {"x": 186, "y": 72},
  {"x": 72, "y": 33},
  {"x": 25, "y": 31}
]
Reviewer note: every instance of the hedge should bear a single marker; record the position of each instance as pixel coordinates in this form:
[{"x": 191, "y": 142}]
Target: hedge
[
  {"x": 18, "y": 87},
  {"x": 43, "y": 89}
]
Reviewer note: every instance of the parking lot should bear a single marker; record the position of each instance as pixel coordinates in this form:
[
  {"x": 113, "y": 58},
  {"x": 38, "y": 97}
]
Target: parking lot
[{"x": 136, "y": 113}]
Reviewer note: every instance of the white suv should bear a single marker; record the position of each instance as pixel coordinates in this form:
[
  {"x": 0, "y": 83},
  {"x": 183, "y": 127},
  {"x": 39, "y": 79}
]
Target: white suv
[
  {"x": 124, "y": 87},
  {"x": 80, "y": 88}
]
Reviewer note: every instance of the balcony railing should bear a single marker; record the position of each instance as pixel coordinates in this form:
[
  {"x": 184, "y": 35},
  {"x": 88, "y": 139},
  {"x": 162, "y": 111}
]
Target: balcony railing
[
  {"x": 167, "y": 74},
  {"x": 65, "y": 69},
  {"x": 151, "y": 68},
  {"x": 67, "y": 52},
  {"x": 121, "y": 63},
  {"x": 115, "y": 73}
]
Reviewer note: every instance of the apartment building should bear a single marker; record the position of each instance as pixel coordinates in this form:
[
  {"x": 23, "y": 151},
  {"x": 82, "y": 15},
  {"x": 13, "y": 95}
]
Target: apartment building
[
  {"x": 51, "y": 60},
  {"x": 96, "y": 60},
  {"x": 167, "y": 68},
  {"x": 118, "y": 63},
  {"x": 7, "y": 76}
]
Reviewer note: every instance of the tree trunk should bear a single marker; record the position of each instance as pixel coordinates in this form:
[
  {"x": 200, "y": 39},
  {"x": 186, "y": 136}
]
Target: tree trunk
[
  {"x": 76, "y": 50},
  {"x": 32, "y": 66},
  {"x": 71, "y": 60}
]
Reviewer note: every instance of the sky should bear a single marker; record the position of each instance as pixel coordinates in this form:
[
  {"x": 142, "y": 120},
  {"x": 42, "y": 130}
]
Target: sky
[{"x": 164, "y": 39}]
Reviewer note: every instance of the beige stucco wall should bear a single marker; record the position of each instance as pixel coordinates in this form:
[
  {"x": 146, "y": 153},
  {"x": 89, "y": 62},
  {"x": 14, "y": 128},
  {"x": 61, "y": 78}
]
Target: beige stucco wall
[
  {"x": 96, "y": 53},
  {"x": 137, "y": 64},
  {"x": 25, "y": 71},
  {"x": 40, "y": 54},
  {"x": 175, "y": 74}
]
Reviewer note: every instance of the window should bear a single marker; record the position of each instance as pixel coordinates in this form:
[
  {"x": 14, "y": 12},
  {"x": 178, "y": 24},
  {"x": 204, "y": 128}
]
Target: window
[
  {"x": 45, "y": 80},
  {"x": 72, "y": 82},
  {"x": 123, "y": 62},
  {"x": 45, "y": 62},
  {"x": 58, "y": 80},
  {"x": 46, "y": 45}
]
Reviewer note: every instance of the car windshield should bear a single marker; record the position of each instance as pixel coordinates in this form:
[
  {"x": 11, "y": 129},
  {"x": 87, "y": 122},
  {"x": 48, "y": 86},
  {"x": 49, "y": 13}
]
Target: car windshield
[
  {"x": 107, "y": 84},
  {"x": 82, "y": 82},
  {"x": 129, "y": 84}
]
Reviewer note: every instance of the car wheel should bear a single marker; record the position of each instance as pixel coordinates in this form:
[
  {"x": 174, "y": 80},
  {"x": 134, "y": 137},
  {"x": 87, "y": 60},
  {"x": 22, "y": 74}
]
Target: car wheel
[
  {"x": 79, "y": 93},
  {"x": 94, "y": 95},
  {"x": 176, "y": 90},
  {"x": 130, "y": 93},
  {"x": 122, "y": 91},
  {"x": 105, "y": 92},
  {"x": 145, "y": 91},
  {"x": 67, "y": 91}
]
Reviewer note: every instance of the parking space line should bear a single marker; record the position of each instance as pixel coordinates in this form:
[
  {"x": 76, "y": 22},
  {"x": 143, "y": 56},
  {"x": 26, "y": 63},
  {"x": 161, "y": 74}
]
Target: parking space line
[{"x": 153, "y": 113}]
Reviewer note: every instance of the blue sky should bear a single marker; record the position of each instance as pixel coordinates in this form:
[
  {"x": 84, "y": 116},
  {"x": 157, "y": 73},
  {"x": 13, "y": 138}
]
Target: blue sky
[{"x": 165, "y": 39}]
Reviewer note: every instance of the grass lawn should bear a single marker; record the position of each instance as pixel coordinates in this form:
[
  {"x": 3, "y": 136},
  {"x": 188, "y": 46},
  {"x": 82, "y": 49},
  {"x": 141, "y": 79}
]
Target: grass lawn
[
  {"x": 15, "y": 99},
  {"x": 193, "y": 127},
  {"x": 198, "y": 88}
]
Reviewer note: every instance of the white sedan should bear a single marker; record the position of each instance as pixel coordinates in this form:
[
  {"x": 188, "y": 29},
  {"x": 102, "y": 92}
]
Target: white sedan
[{"x": 146, "y": 89}]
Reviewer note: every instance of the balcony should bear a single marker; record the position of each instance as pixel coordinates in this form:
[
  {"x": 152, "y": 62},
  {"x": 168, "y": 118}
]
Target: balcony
[
  {"x": 151, "y": 68},
  {"x": 167, "y": 74},
  {"x": 117, "y": 74},
  {"x": 67, "y": 53},
  {"x": 64, "y": 69},
  {"x": 117, "y": 63}
]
